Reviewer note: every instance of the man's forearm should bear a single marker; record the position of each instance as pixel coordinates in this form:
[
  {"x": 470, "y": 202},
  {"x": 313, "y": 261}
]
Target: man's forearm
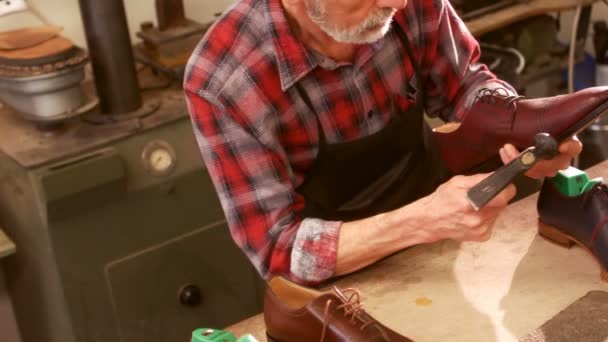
[
  {"x": 365, "y": 241},
  {"x": 444, "y": 214}
]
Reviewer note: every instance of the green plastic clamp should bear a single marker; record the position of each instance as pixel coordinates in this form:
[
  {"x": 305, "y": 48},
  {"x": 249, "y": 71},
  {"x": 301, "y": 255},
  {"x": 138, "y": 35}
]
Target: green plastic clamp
[
  {"x": 573, "y": 182},
  {"x": 247, "y": 338},
  {"x": 212, "y": 335}
]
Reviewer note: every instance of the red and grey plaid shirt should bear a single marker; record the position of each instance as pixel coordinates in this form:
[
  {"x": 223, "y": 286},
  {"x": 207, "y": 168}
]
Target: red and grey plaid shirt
[{"x": 258, "y": 139}]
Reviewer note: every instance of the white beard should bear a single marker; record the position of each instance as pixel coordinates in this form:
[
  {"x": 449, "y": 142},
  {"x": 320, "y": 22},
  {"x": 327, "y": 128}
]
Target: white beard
[{"x": 374, "y": 27}]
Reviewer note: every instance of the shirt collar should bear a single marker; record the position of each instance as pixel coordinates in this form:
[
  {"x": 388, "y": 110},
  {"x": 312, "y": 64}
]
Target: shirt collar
[{"x": 293, "y": 58}]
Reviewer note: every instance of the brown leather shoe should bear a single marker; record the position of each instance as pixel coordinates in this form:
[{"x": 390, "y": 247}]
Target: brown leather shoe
[
  {"x": 293, "y": 313},
  {"x": 496, "y": 119},
  {"x": 582, "y": 219}
]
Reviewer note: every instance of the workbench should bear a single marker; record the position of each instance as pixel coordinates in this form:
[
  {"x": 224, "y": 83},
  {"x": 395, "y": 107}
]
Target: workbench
[
  {"x": 498, "y": 290},
  {"x": 8, "y": 325}
]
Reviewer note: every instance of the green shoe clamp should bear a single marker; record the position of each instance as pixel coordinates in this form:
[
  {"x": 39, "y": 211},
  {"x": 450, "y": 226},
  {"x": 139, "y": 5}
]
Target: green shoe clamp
[
  {"x": 573, "y": 182},
  {"x": 213, "y": 335}
]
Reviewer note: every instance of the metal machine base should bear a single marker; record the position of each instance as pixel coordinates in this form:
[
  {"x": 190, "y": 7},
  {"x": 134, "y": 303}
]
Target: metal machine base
[{"x": 107, "y": 249}]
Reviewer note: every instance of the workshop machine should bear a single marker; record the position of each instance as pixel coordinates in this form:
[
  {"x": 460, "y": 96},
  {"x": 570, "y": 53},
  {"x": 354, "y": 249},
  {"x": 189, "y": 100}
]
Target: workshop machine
[
  {"x": 527, "y": 50},
  {"x": 119, "y": 232}
]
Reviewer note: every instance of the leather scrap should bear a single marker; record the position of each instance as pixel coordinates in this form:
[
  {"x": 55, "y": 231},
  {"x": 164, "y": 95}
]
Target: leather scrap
[
  {"x": 50, "y": 47},
  {"x": 27, "y": 37},
  {"x": 584, "y": 320}
]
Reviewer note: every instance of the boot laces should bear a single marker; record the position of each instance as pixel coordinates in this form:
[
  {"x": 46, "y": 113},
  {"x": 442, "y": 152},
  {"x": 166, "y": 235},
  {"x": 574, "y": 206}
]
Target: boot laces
[
  {"x": 498, "y": 95},
  {"x": 601, "y": 188},
  {"x": 351, "y": 307}
]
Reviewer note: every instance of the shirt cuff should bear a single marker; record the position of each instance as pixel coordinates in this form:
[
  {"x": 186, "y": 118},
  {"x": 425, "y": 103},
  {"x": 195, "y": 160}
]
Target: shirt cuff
[{"x": 314, "y": 253}]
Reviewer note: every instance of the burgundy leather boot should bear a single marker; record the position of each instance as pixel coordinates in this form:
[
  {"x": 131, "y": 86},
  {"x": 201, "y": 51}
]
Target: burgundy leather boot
[
  {"x": 293, "y": 313},
  {"x": 495, "y": 119},
  {"x": 582, "y": 219}
]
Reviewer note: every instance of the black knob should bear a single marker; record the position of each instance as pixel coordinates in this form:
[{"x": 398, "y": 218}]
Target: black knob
[
  {"x": 545, "y": 146},
  {"x": 190, "y": 295}
]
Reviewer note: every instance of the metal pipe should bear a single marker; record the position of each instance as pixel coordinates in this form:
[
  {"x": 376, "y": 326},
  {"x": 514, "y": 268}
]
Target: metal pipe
[
  {"x": 476, "y": 13},
  {"x": 109, "y": 42},
  {"x": 170, "y": 14}
]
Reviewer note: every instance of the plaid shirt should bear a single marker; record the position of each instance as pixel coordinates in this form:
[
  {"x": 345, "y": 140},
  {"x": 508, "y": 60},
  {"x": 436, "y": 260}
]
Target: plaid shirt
[{"x": 258, "y": 138}]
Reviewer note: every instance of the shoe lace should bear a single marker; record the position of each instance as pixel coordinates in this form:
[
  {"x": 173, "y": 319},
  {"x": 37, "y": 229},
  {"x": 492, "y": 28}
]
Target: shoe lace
[
  {"x": 351, "y": 306},
  {"x": 496, "y": 95},
  {"x": 597, "y": 188},
  {"x": 601, "y": 189},
  {"x": 499, "y": 95}
]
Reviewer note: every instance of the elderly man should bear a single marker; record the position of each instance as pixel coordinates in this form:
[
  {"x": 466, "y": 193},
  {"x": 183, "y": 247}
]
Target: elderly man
[{"x": 309, "y": 117}]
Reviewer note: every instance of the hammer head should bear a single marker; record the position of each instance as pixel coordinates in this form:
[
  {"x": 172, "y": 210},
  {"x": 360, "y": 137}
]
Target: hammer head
[{"x": 545, "y": 146}]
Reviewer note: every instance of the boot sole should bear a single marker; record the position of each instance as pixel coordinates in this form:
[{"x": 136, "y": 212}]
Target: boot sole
[
  {"x": 584, "y": 123},
  {"x": 271, "y": 339},
  {"x": 556, "y": 236}
]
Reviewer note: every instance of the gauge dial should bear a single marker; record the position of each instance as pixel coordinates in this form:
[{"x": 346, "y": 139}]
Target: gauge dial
[{"x": 159, "y": 158}]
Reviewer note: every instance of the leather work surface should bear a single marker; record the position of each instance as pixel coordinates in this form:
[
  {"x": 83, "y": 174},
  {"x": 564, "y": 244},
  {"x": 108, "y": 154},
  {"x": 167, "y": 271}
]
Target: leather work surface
[
  {"x": 499, "y": 290},
  {"x": 584, "y": 320}
]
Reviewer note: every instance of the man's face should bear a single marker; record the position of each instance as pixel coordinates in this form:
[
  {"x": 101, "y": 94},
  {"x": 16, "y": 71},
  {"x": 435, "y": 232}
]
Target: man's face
[{"x": 351, "y": 21}]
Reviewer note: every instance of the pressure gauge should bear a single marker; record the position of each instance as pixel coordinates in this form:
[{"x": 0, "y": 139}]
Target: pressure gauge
[{"x": 159, "y": 158}]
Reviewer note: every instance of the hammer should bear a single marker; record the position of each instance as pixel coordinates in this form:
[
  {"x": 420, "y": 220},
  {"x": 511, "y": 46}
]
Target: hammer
[{"x": 545, "y": 147}]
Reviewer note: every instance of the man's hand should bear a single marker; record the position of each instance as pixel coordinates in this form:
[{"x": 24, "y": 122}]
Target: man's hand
[
  {"x": 444, "y": 214},
  {"x": 451, "y": 215},
  {"x": 547, "y": 168}
]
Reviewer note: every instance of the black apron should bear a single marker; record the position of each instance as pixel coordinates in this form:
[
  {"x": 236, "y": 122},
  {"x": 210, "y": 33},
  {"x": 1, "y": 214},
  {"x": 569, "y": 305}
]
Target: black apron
[{"x": 377, "y": 173}]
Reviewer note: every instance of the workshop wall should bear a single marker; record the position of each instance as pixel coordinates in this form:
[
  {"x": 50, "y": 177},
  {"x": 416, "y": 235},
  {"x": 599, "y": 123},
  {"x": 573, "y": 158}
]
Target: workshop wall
[
  {"x": 599, "y": 12},
  {"x": 66, "y": 13}
]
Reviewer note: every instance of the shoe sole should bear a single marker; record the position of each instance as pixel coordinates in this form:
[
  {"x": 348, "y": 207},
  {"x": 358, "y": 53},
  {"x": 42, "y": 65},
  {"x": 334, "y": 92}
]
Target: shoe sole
[
  {"x": 584, "y": 123},
  {"x": 556, "y": 236},
  {"x": 495, "y": 162},
  {"x": 271, "y": 339}
]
